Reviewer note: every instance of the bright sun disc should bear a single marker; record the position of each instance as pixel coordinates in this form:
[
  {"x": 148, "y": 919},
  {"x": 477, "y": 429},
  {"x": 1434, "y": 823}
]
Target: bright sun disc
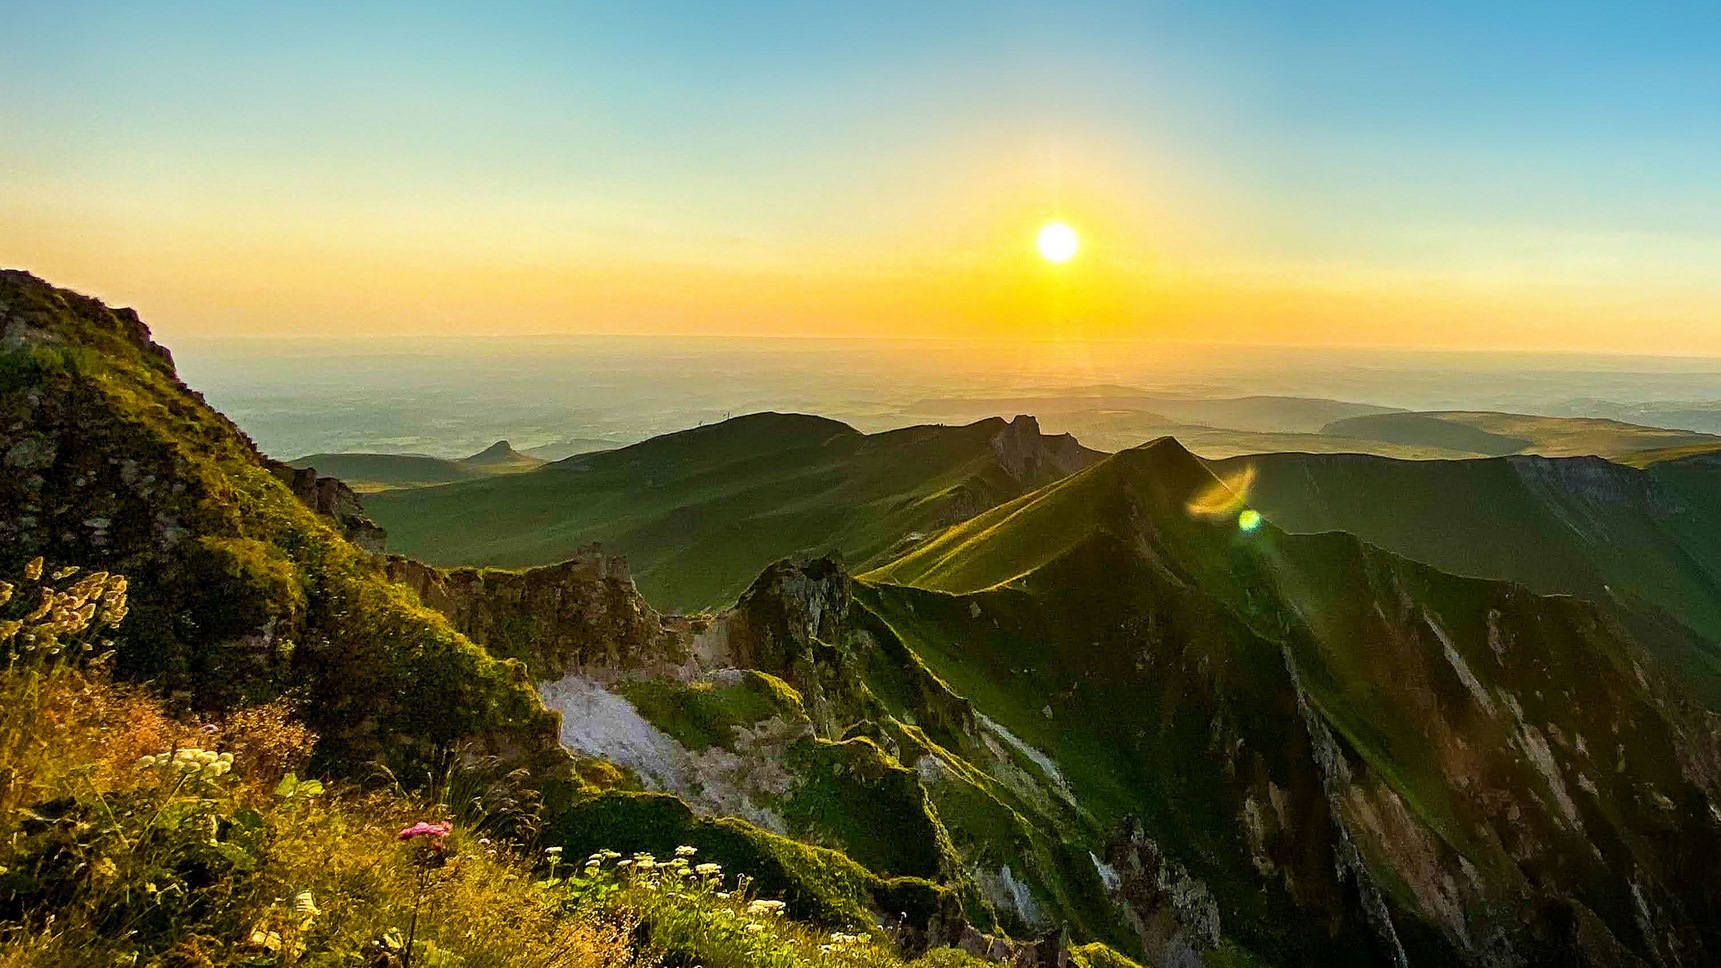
[{"x": 1058, "y": 242}]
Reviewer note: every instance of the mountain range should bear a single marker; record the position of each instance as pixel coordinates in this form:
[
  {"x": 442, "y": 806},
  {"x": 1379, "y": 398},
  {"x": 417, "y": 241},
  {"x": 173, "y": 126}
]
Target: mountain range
[{"x": 977, "y": 683}]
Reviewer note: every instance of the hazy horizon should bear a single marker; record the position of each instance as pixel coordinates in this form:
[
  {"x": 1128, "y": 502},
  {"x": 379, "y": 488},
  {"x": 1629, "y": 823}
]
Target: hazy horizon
[{"x": 451, "y": 396}]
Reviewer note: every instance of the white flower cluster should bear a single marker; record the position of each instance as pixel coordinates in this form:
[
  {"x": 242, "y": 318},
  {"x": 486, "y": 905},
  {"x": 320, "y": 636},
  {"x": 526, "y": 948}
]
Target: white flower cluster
[
  {"x": 765, "y": 907},
  {"x": 62, "y": 615},
  {"x": 190, "y": 762}
]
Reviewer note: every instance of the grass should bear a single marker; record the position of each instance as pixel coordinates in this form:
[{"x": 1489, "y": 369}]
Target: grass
[
  {"x": 132, "y": 836},
  {"x": 700, "y": 715},
  {"x": 699, "y": 513}
]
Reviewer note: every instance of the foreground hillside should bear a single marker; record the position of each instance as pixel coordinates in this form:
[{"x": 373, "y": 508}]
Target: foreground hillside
[
  {"x": 698, "y": 513},
  {"x": 132, "y": 836}
]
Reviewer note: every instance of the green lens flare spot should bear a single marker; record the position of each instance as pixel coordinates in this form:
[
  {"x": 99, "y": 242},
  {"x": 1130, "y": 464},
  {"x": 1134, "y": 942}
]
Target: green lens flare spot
[{"x": 1249, "y": 520}]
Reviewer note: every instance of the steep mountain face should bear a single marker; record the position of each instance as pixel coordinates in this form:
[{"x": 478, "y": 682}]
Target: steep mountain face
[
  {"x": 1635, "y": 540},
  {"x": 699, "y": 513},
  {"x": 239, "y": 591},
  {"x": 1362, "y": 759},
  {"x": 800, "y": 714}
]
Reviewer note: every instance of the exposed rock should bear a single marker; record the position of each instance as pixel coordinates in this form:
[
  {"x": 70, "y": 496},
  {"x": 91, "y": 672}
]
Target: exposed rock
[
  {"x": 1173, "y": 913},
  {"x": 583, "y": 616},
  {"x": 332, "y": 498},
  {"x": 1026, "y": 453}
]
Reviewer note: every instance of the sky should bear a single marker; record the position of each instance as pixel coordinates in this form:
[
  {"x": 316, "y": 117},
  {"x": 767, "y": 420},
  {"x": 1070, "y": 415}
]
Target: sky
[{"x": 1520, "y": 175}]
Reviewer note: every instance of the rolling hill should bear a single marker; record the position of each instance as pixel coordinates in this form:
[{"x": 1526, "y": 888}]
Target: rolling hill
[
  {"x": 368, "y": 473},
  {"x": 1487, "y": 434},
  {"x": 700, "y": 512}
]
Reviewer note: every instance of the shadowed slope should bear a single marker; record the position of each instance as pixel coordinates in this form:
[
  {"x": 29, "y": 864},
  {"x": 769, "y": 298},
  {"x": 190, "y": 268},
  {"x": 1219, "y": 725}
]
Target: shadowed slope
[
  {"x": 1631, "y": 539},
  {"x": 1354, "y": 752}
]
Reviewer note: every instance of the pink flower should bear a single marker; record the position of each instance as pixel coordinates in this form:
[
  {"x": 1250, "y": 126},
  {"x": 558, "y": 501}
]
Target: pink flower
[{"x": 422, "y": 829}]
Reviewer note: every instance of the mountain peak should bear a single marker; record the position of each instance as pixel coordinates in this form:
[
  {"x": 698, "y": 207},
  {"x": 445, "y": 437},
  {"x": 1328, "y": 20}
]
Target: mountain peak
[
  {"x": 1024, "y": 452},
  {"x": 501, "y": 450},
  {"x": 35, "y": 311}
]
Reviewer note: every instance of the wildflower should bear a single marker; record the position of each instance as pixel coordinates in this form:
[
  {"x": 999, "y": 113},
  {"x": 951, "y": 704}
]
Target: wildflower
[
  {"x": 754, "y": 927},
  {"x": 708, "y": 870},
  {"x": 765, "y": 907},
  {"x": 437, "y": 831},
  {"x": 105, "y": 869},
  {"x": 686, "y": 851},
  {"x": 553, "y": 851}
]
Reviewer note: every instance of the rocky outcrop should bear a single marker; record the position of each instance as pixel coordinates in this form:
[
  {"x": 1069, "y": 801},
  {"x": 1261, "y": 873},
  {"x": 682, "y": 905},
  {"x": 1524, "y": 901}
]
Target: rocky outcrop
[
  {"x": 582, "y": 616},
  {"x": 1173, "y": 914},
  {"x": 1028, "y": 455},
  {"x": 1598, "y": 481},
  {"x": 332, "y": 498}
]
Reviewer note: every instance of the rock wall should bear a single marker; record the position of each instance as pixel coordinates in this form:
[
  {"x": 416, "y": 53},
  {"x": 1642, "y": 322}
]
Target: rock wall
[{"x": 332, "y": 498}]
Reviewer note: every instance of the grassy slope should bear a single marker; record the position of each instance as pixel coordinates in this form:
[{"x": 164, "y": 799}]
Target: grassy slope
[
  {"x": 1608, "y": 533},
  {"x": 239, "y": 591},
  {"x": 1498, "y": 434},
  {"x": 698, "y": 513},
  {"x": 105, "y": 861},
  {"x": 1144, "y": 633}
]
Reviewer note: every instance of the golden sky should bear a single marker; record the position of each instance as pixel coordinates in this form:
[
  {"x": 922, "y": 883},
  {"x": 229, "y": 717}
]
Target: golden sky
[{"x": 550, "y": 172}]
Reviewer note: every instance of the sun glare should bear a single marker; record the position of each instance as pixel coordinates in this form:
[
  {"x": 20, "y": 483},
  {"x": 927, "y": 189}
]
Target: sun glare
[{"x": 1058, "y": 242}]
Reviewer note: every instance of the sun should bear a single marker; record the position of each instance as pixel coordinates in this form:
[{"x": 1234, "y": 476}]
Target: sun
[{"x": 1058, "y": 242}]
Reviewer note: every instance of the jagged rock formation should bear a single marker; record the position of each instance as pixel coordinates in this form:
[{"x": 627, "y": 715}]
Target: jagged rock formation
[
  {"x": 582, "y": 616},
  {"x": 330, "y": 497},
  {"x": 1028, "y": 455}
]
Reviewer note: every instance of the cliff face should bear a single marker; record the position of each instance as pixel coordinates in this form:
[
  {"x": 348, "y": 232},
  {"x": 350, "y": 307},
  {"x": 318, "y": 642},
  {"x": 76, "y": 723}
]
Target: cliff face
[
  {"x": 331, "y": 497},
  {"x": 580, "y": 617},
  {"x": 1028, "y": 455}
]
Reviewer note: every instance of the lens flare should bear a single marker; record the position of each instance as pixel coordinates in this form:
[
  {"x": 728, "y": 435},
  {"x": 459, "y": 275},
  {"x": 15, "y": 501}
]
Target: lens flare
[
  {"x": 1249, "y": 520},
  {"x": 1224, "y": 497}
]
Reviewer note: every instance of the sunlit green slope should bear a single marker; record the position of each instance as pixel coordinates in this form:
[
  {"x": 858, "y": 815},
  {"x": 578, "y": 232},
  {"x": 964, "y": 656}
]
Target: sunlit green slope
[{"x": 699, "y": 513}]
